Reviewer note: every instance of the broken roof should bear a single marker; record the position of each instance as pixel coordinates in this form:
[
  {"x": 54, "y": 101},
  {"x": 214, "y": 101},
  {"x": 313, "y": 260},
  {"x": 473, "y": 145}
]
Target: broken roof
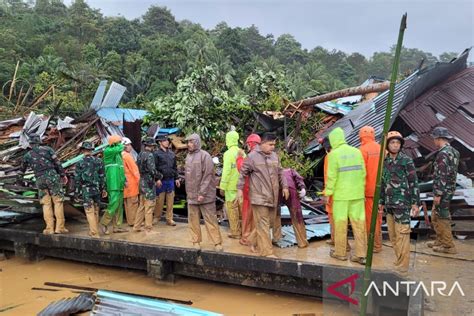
[
  {"x": 450, "y": 105},
  {"x": 406, "y": 91}
]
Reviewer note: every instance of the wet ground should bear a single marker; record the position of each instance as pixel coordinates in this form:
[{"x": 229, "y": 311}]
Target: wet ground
[{"x": 18, "y": 277}]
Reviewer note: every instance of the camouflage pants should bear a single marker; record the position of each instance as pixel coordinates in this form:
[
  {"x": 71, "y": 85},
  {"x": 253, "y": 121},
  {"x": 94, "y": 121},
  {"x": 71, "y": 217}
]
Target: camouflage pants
[
  {"x": 400, "y": 215},
  {"x": 147, "y": 189},
  {"x": 49, "y": 183},
  {"x": 442, "y": 209},
  {"x": 90, "y": 196}
]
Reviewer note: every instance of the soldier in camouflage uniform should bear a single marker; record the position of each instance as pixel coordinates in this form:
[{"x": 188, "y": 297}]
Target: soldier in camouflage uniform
[
  {"x": 89, "y": 181},
  {"x": 444, "y": 184},
  {"x": 399, "y": 197},
  {"x": 48, "y": 173},
  {"x": 149, "y": 179}
]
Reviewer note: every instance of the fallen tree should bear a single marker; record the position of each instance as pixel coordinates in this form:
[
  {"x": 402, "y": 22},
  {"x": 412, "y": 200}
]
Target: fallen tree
[{"x": 305, "y": 104}]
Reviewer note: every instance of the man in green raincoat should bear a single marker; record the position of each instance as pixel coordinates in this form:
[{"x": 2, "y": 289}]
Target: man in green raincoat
[
  {"x": 229, "y": 179},
  {"x": 115, "y": 182}
]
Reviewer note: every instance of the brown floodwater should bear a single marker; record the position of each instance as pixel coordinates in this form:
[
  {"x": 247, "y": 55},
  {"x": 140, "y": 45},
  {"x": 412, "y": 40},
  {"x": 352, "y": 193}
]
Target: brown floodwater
[{"x": 19, "y": 276}]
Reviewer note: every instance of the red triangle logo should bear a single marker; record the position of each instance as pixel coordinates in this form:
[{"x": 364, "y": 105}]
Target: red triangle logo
[{"x": 352, "y": 280}]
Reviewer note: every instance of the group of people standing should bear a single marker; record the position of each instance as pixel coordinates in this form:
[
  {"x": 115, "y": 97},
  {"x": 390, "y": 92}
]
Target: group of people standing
[
  {"x": 350, "y": 183},
  {"x": 254, "y": 185}
]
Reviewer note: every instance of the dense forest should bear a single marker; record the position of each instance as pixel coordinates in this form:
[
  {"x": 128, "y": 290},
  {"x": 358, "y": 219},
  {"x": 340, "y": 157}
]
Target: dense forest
[{"x": 185, "y": 75}]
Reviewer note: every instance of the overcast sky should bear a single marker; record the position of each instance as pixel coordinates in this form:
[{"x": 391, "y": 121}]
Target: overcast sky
[{"x": 349, "y": 25}]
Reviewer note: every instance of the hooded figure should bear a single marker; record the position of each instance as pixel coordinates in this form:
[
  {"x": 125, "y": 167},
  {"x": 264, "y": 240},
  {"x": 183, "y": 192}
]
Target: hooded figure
[
  {"x": 230, "y": 177},
  {"x": 200, "y": 184},
  {"x": 115, "y": 183},
  {"x": 370, "y": 150},
  {"x": 346, "y": 185},
  {"x": 249, "y": 233}
]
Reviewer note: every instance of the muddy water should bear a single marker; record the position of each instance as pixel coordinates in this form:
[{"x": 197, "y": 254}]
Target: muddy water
[{"x": 18, "y": 277}]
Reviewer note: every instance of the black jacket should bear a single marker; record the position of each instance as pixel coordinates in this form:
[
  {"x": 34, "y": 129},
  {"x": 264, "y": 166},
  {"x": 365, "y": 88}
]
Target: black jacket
[{"x": 165, "y": 162}]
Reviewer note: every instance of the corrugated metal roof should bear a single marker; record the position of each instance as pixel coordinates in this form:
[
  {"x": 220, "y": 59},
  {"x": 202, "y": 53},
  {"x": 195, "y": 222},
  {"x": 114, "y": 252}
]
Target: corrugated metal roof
[
  {"x": 454, "y": 100},
  {"x": 119, "y": 114},
  {"x": 312, "y": 231},
  {"x": 112, "y": 303},
  {"x": 71, "y": 306}
]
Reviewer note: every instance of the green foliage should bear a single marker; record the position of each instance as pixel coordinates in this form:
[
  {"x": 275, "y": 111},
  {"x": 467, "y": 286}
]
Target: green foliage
[
  {"x": 201, "y": 104},
  {"x": 296, "y": 161}
]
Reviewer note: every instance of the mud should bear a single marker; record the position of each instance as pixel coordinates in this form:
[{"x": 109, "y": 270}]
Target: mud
[{"x": 18, "y": 277}]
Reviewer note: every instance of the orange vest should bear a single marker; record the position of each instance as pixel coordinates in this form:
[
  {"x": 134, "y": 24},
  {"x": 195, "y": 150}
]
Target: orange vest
[
  {"x": 371, "y": 152},
  {"x": 132, "y": 174}
]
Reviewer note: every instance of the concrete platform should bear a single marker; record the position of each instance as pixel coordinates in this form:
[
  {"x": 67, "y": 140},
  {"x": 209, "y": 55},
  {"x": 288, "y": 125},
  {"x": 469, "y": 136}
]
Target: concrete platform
[{"x": 167, "y": 252}]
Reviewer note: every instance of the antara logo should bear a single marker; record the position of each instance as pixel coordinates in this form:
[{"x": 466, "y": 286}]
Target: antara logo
[{"x": 409, "y": 288}]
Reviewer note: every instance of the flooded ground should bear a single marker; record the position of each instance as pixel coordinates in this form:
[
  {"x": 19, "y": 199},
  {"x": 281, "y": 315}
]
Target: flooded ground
[{"x": 18, "y": 277}]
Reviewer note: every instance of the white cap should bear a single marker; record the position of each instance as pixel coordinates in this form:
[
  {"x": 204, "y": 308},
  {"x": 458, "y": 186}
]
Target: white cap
[{"x": 126, "y": 141}]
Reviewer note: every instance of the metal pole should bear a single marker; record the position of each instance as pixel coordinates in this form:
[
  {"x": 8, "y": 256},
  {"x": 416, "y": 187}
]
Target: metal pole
[{"x": 388, "y": 112}]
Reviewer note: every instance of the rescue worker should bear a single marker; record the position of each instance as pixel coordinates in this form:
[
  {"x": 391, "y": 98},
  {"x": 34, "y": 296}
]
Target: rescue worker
[
  {"x": 265, "y": 174},
  {"x": 444, "y": 184},
  {"x": 201, "y": 193},
  {"x": 399, "y": 198},
  {"x": 248, "y": 226},
  {"x": 131, "y": 198},
  {"x": 115, "y": 183},
  {"x": 150, "y": 178},
  {"x": 346, "y": 185},
  {"x": 297, "y": 190},
  {"x": 228, "y": 185},
  {"x": 370, "y": 150},
  {"x": 165, "y": 162},
  {"x": 89, "y": 184},
  {"x": 49, "y": 174}
]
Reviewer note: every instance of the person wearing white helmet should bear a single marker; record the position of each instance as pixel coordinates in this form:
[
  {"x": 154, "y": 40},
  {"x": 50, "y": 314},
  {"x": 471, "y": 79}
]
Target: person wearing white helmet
[{"x": 132, "y": 174}]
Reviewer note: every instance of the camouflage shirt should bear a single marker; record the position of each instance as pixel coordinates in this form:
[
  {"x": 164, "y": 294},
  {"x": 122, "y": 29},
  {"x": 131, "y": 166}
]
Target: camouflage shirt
[
  {"x": 148, "y": 174},
  {"x": 445, "y": 170},
  {"x": 399, "y": 183},
  {"x": 47, "y": 169},
  {"x": 89, "y": 180}
]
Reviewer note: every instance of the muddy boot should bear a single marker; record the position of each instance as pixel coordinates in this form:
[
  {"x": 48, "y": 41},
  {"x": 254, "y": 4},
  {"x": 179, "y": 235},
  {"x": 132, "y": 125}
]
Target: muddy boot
[
  {"x": 171, "y": 223},
  {"x": 104, "y": 230},
  {"x": 359, "y": 260},
  {"x": 432, "y": 244},
  {"x": 196, "y": 246},
  {"x": 332, "y": 254},
  {"x": 271, "y": 256},
  {"x": 219, "y": 248},
  {"x": 441, "y": 249},
  {"x": 48, "y": 214},
  {"x": 330, "y": 242},
  {"x": 59, "y": 214}
]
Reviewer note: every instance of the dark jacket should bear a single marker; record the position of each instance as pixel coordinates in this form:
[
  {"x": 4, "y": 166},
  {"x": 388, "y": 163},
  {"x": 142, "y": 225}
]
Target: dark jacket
[{"x": 165, "y": 162}]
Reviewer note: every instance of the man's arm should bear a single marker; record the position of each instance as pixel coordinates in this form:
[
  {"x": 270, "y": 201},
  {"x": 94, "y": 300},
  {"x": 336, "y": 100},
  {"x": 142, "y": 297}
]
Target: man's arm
[
  {"x": 440, "y": 174},
  {"x": 245, "y": 171},
  {"x": 207, "y": 175},
  {"x": 331, "y": 175},
  {"x": 413, "y": 183}
]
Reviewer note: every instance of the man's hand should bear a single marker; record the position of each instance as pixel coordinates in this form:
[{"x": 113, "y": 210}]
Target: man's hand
[
  {"x": 159, "y": 184},
  {"x": 104, "y": 194},
  {"x": 177, "y": 183},
  {"x": 286, "y": 194},
  {"x": 381, "y": 207},
  {"x": 325, "y": 199},
  {"x": 302, "y": 193},
  {"x": 64, "y": 180},
  {"x": 240, "y": 196},
  {"x": 415, "y": 210},
  {"x": 222, "y": 192},
  {"x": 200, "y": 198},
  {"x": 437, "y": 200}
]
